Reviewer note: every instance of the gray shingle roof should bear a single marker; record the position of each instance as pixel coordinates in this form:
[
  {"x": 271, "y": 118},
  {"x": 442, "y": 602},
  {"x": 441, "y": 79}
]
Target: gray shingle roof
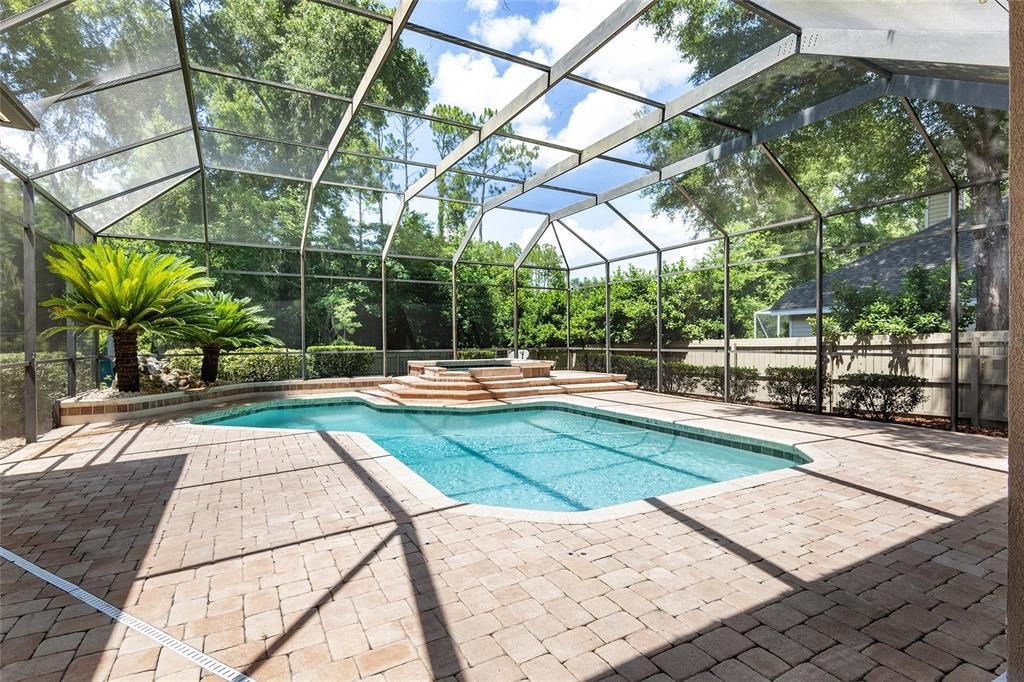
[{"x": 887, "y": 266}]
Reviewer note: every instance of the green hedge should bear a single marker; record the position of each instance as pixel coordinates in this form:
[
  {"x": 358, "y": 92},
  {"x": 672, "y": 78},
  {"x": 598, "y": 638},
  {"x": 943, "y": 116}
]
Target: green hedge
[
  {"x": 325, "y": 362},
  {"x": 677, "y": 377},
  {"x": 794, "y": 388},
  {"x": 256, "y": 364},
  {"x": 881, "y": 396},
  {"x": 480, "y": 353}
]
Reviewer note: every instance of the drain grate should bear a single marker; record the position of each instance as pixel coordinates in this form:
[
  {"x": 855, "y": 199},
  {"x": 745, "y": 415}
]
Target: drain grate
[{"x": 158, "y": 636}]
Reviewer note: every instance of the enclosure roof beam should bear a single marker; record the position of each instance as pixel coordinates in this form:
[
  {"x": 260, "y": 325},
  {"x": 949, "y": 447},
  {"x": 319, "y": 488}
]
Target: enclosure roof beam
[
  {"x": 32, "y": 13},
  {"x": 468, "y": 237},
  {"x": 765, "y": 59},
  {"x": 149, "y": 183},
  {"x": 715, "y": 225},
  {"x": 147, "y": 203},
  {"x": 109, "y": 152},
  {"x": 789, "y": 178},
  {"x": 532, "y": 243},
  {"x": 610, "y": 26},
  {"x": 21, "y": 175},
  {"x": 932, "y": 149},
  {"x": 629, "y": 222},
  {"x": 971, "y": 48},
  {"x": 412, "y": 114},
  {"x": 808, "y": 116},
  {"x": 391, "y": 232},
  {"x": 387, "y": 43},
  {"x": 583, "y": 241},
  {"x": 987, "y": 94}
]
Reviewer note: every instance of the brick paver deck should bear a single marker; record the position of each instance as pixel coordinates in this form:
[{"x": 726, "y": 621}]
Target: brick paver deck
[{"x": 295, "y": 555}]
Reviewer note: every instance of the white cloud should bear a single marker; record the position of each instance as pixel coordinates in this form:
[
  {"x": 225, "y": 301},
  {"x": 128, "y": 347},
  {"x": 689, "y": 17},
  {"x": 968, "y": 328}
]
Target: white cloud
[
  {"x": 483, "y": 6},
  {"x": 501, "y": 33},
  {"x": 593, "y": 117},
  {"x": 473, "y": 83},
  {"x": 638, "y": 62}
]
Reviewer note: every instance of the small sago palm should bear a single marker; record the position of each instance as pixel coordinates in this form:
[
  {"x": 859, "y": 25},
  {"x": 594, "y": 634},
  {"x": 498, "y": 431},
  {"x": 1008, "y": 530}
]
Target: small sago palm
[
  {"x": 230, "y": 324},
  {"x": 124, "y": 293}
]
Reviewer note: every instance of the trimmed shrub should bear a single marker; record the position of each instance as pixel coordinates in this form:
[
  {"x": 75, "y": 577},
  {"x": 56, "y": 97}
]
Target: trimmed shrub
[
  {"x": 480, "y": 353},
  {"x": 644, "y": 371},
  {"x": 795, "y": 388},
  {"x": 340, "y": 360},
  {"x": 881, "y": 396},
  {"x": 682, "y": 377},
  {"x": 742, "y": 382},
  {"x": 257, "y": 364},
  {"x": 588, "y": 360}
]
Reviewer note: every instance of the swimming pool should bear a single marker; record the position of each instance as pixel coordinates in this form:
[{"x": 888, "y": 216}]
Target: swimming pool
[{"x": 548, "y": 458}]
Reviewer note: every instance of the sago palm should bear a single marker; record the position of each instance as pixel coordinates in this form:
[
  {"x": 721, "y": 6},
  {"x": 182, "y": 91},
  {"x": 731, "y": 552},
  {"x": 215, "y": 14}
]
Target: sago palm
[
  {"x": 124, "y": 293},
  {"x": 227, "y": 324}
]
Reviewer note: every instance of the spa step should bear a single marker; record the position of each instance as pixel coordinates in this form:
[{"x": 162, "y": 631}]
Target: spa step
[
  {"x": 438, "y": 384},
  {"x": 567, "y": 378},
  {"x": 526, "y": 391},
  {"x": 404, "y": 391},
  {"x": 498, "y": 384},
  {"x": 603, "y": 386},
  {"x": 491, "y": 373}
]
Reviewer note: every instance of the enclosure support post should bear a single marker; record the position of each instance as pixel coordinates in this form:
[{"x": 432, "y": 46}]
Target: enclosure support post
[
  {"x": 657, "y": 319},
  {"x": 568, "y": 317},
  {"x": 726, "y": 371},
  {"x": 515, "y": 311},
  {"x": 28, "y": 244},
  {"x": 455, "y": 319},
  {"x": 954, "y": 309},
  {"x": 607, "y": 317},
  {"x": 69, "y": 336},
  {"x": 819, "y": 346},
  {"x": 302, "y": 313},
  {"x": 383, "y": 316}
]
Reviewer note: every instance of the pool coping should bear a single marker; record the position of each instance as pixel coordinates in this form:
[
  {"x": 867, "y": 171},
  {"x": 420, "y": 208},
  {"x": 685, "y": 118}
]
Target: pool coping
[{"x": 426, "y": 493}]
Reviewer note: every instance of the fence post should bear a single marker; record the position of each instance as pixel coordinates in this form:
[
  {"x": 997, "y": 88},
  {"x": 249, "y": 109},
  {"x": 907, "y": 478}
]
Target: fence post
[{"x": 975, "y": 380}]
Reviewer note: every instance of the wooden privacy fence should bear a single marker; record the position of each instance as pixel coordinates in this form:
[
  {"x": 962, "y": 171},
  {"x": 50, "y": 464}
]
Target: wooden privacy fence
[{"x": 982, "y": 364}]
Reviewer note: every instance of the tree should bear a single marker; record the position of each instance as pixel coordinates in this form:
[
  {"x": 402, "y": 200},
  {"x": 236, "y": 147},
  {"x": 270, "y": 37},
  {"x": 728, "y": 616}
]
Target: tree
[
  {"x": 123, "y": 293},
  {"x": 224, "y": 322}
]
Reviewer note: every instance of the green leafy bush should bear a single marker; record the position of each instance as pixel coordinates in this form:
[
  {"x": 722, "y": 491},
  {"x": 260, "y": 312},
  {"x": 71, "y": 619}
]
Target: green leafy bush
[
  {"x": 742, "y": 382},
  {"x": 479, "y": 353},
  {"x": 257, "y": 364},
  {"x": 682, "y": 377},
  {"x": 339, "y": 360},
  {"x": 795, "y": 388},
  {"x": 588, "y": 361},
  {"x": 642, "y": 370},
  {"x": 881, "y": 396}
]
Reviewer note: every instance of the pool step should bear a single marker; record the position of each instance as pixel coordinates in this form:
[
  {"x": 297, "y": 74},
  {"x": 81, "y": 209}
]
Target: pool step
[
  {"x": 406, "y": 391},
  {"x": 421, "y": 382}
]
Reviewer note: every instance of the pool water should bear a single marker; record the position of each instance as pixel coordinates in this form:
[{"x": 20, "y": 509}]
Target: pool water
[{"x": 538, "y": 458}]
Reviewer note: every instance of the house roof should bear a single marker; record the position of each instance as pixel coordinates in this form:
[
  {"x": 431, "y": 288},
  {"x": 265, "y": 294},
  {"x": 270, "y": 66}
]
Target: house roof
[{"x": 886, "y": 267}]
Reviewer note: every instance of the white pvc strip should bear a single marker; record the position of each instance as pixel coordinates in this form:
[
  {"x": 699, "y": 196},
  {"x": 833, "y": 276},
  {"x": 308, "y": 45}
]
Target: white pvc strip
[{"x": 158, "y": 636}]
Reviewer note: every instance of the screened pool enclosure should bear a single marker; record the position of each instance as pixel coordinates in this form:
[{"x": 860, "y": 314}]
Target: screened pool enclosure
[{"x": 748, "y": 201}]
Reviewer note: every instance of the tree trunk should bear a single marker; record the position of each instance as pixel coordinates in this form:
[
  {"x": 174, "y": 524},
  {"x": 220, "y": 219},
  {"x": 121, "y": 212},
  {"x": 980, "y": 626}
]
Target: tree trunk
[
  {"x": 126, "y": 360},
  {"x": 211, "y": 363},
  {"x": 991, "y": 260}
]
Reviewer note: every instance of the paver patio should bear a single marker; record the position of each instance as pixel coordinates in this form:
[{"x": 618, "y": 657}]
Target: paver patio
[{"x": 295, "y": 555}]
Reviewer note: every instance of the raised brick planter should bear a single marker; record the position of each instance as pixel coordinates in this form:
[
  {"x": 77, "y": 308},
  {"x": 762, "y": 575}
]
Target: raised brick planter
[{"x": 85, "y": 411}]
